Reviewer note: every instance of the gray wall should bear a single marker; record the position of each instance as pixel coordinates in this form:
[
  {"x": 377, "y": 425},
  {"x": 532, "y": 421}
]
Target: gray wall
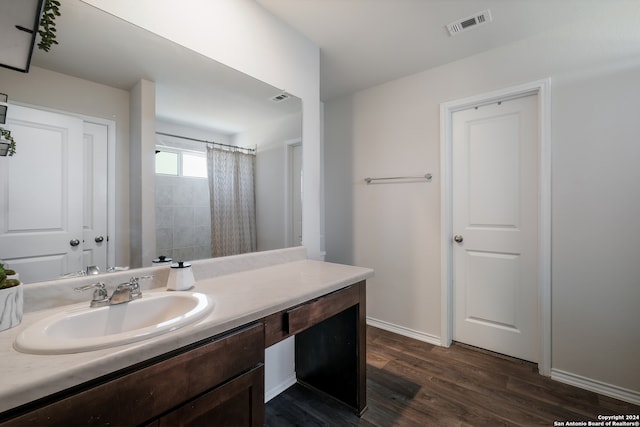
[
  {"x": 183, "y": 218},
  {"x": 394, "y": 129}
]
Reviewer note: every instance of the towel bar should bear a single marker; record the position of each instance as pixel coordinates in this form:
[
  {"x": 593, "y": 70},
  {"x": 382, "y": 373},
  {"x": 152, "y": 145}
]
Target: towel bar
[{"x": 427, "y": 176}]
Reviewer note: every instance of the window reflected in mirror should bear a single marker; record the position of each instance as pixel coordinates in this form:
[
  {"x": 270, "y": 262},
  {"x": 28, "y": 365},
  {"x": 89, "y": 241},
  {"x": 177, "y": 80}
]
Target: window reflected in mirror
[{"x": 167, "y": 163}]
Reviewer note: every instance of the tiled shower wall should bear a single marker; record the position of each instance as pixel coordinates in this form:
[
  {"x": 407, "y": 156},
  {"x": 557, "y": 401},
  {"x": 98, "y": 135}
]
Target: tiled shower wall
[{"x": 183, "y": 218}]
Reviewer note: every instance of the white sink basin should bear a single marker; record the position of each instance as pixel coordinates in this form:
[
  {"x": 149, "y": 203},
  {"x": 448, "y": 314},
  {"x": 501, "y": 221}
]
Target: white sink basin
[{"x": 84, "y": 329}]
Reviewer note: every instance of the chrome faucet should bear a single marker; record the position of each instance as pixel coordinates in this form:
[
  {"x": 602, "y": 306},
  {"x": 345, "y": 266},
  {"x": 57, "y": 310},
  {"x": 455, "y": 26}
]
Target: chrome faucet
[
  {"x": 100, "y": 296},
  {"x": 124, "y": 292}
]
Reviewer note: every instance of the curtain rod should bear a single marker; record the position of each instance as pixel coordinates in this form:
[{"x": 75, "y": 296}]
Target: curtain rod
[{"x": 235, "y": 147}]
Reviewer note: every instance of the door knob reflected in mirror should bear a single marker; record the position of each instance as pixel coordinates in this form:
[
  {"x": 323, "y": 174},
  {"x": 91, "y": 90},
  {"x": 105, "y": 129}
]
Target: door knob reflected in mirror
[
  {"x": 74, "y": 242},
  {"x": 458, "y": 238},
  {"x": 99, "y": 239}
]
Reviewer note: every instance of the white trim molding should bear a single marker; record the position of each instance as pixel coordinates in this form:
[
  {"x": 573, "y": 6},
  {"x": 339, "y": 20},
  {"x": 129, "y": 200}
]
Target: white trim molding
[
  {"x": 599, "y": 387},
  {"x": 111, "y": 185},
  {"x": 288, "y": 196},
  {"x": 542, "y": 89},
  {"x": 401, "y": 330},
  {"x": 280, "y": 387}
]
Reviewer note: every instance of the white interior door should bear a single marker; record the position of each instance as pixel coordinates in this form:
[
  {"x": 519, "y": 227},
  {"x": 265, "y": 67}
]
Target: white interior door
[
  {"x": 495, "y": 222},
  {"x": 41, "y": 193},
  {"x": 95, "y": 238}
]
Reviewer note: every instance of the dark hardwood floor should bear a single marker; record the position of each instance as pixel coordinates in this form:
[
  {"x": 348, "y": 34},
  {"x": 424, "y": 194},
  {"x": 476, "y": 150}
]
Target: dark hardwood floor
[{"x": 412, "y": 383}]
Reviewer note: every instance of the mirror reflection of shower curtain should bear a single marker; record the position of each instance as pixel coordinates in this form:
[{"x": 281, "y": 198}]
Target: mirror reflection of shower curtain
[{"x": 233, "y": 202}]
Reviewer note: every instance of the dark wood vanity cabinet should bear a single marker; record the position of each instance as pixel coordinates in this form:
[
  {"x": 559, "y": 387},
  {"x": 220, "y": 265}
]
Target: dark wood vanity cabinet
[
  {"x": 330, "y": 343},
  {"x": 219, "y": 381}
]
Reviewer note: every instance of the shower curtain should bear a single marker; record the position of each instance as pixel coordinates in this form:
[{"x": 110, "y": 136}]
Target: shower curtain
[{"x": 232, "y": 199}]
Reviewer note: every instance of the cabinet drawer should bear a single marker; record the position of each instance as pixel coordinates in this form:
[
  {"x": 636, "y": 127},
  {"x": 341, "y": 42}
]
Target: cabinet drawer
[
  {"x": 132, "y": 398},
  {"x": 299, "y": 318},
  {"x": 283, "y": 324}
]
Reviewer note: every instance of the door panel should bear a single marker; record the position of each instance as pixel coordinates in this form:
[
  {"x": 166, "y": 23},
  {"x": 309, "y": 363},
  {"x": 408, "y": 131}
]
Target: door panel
[
  {"x": 41, "y": 193},
  {"x": 495, "y": 212},
  {"x": 492, "y": 298},
  {"x": 493, "y": 171}
]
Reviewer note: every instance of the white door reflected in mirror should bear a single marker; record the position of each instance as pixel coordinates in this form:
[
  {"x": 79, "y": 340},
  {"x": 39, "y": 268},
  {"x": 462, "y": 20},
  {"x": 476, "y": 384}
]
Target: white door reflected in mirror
[{"x": 56, "y": 193}]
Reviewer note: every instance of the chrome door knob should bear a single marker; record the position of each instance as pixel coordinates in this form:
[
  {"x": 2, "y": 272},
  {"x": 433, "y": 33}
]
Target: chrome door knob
[
  {"x": 458, "y": 238},
  {"x": 74, "y": 242},
  {"x": 99, "y": 239}
]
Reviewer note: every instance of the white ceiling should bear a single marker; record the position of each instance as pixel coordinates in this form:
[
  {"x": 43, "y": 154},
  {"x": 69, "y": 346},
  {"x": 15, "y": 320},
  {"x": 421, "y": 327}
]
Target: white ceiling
[{"x": 364, "y": 43}]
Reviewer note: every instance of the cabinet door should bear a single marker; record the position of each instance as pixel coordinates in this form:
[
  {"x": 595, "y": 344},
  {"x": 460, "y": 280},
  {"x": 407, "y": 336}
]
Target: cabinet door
[{"x": 239, "y": 402}]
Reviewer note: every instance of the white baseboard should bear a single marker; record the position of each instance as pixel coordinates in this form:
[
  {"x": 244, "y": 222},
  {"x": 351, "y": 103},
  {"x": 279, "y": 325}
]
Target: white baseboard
[
  {"x": 407, "y": 332},
  {"x": 614, "y": 391},
  {"x": 279, "y": 388}
]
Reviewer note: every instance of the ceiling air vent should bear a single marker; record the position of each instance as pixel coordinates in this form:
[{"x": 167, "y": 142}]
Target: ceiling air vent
[
  {"x": 281, "y": 97},
  {"x": 472, "y": 21}
]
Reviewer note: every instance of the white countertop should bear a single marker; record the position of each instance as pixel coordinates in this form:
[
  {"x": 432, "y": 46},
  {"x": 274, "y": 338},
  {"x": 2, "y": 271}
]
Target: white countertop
[{"x": 240, "y": 298}]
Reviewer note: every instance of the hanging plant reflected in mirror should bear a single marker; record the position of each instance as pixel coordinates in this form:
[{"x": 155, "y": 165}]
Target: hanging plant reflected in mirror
[
  {"x": 7, "y": 144},
  {"x": 47, "y": 29},
  {"x": 21, "y": 22}
]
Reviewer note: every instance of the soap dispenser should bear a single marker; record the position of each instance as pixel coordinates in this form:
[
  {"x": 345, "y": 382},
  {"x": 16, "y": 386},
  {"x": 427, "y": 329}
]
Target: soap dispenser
[{"x": 180, "y": 277}]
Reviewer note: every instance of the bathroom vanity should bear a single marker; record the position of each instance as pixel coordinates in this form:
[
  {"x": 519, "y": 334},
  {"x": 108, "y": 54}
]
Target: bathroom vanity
[
  {"x": 210, "y": 372},
  {"x": 215, "y": 382}
]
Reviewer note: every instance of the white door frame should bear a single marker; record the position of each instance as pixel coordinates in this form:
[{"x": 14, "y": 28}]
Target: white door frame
[
  {"x": 542, "y": 89},
  {"x": 111, "y": 183},
  {"x": 288, "y": 197}
]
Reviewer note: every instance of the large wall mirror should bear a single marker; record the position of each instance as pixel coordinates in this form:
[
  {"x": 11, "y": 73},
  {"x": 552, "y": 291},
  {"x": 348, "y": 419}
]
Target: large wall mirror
[{"x": 88, "y": 78}]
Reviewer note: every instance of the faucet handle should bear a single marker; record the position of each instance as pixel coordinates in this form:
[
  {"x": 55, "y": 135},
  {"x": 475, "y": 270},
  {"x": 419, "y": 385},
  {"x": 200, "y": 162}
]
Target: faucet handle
[
  {"x": 134, "y": 280},
  {"x": 98, "y": 286},
  {"x": 134, "y": 286},
  {"x": 99, "y": 292}
]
